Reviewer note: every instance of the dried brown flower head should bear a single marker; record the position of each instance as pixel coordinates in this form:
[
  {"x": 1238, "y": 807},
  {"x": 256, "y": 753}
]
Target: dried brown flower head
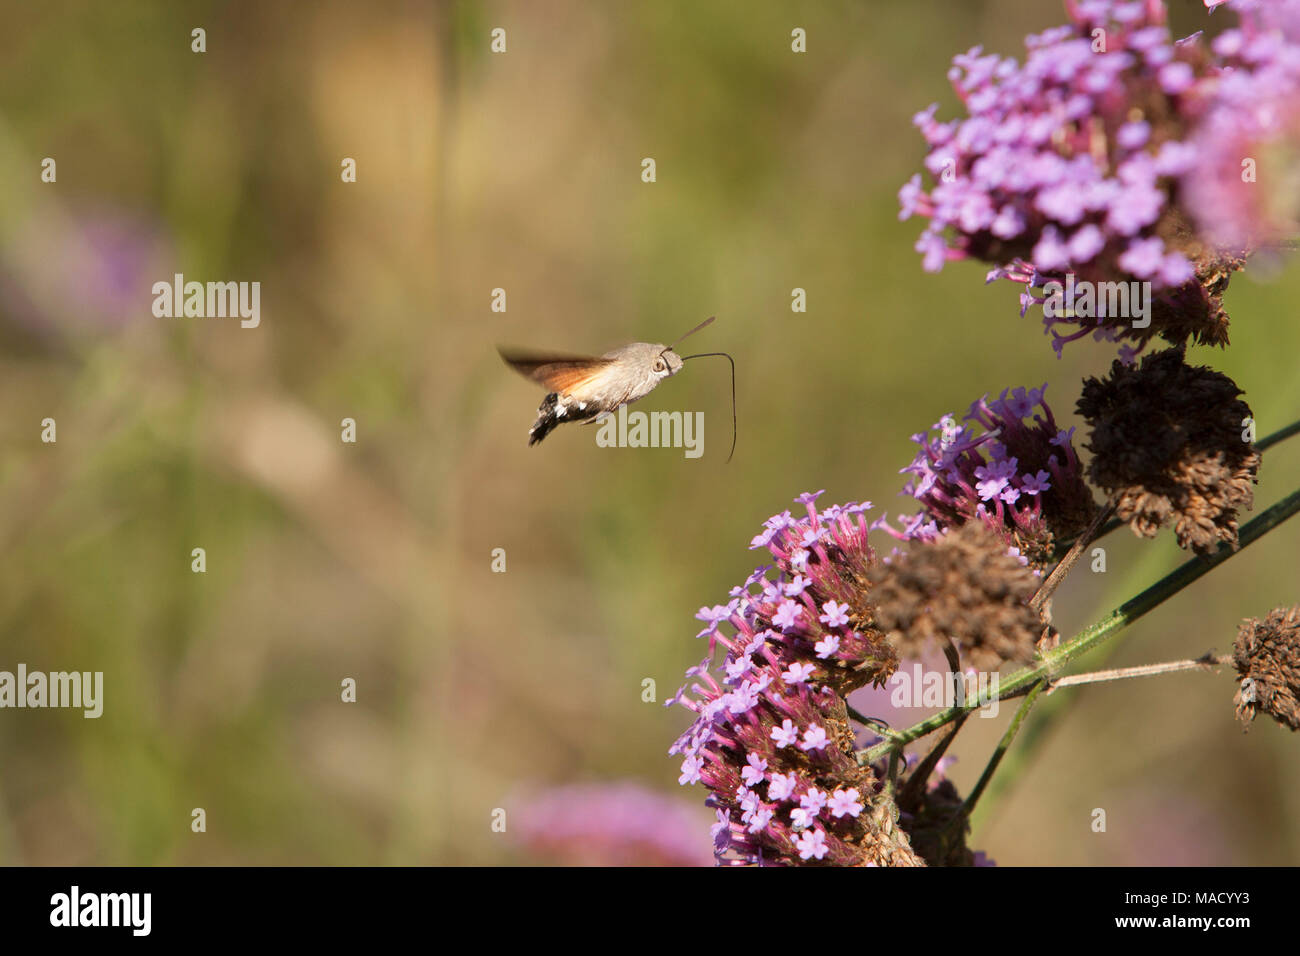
[
  {"x": 964, "y": 586},
  {"x": 1167, "y": 445},
  {"x": 1267, "y": 655}
]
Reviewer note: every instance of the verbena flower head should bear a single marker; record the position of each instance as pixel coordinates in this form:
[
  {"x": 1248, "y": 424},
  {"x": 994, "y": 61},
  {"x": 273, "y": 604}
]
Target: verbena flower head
[
  {"x": 1267, "y": 656},
  {"x": 1007, "y": 465},
  {"x": 1244, "y": 186},
  {"x": 771, "y": 739},
  {"x": 1072, "y": 162},
  {"x": 1168, "y": 445}
]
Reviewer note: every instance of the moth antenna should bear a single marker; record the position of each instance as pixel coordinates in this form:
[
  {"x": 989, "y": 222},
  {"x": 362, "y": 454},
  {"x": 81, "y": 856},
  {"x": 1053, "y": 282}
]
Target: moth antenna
[
  {"x": 733, "y": 383},
  {"x": 694, "y": 330}
]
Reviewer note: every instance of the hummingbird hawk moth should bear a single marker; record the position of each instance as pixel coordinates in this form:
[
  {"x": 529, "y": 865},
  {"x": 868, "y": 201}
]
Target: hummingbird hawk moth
[{"x": 582, "y": 388}]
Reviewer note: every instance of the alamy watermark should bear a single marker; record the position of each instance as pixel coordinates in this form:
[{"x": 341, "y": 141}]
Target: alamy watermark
[
  {"x": 76, "y": 689},
  {"x": 129, "y": 910},
  {"x": 624, "y": 429},
  {"x": 1098, "y": 300},
  {"x": 923, "y": 688},
  {"x": 210, "y": 300}
]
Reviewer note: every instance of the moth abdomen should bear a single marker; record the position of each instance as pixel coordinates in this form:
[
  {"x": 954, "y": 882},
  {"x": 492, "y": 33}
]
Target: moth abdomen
[{"x": 555, "y": 410}]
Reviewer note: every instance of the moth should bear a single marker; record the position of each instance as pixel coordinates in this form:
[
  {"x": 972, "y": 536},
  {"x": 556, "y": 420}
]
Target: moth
[{"x": 582, "y": 388}]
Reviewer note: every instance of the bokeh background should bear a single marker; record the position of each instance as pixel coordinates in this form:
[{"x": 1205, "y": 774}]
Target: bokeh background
[{"x": 481, "y": 690}]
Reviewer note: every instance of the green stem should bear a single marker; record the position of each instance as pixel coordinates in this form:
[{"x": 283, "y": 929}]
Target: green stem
[
  {"x": 915, "y": 786},
  {"x": 1003, "y": 745},
  {"x": 1110, "y": 625},
  {"x": 1050, "y": 708},
  {"x": 1282, "y": 433},
  {"x": 1205, "y": 662}
]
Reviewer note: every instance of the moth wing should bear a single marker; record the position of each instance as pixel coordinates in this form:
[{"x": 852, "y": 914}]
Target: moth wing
[{"x": 555, "y": 372}]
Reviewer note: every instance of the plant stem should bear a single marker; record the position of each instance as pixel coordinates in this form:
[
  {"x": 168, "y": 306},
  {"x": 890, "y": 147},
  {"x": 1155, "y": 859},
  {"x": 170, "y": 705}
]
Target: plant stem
[
  {"x": 1280, "y": 435},
  {"x": 1003, "y": 745},
  {"x": 1035, "y": 735},
  {"x": 1110, "y": 625},
  {"x": 1206, "y": 662},
  {"x": 878, "y": 725},
  {"x": 915, "y": 786},
  {"x": 1066, "y": 564}
]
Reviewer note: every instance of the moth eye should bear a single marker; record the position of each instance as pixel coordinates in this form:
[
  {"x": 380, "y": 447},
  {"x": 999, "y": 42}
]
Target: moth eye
[{"x": 659, "y": 365}]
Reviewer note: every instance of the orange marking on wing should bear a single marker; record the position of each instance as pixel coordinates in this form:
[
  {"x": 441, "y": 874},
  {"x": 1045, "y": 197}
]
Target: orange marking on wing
[{"x": 557, "y": 373}]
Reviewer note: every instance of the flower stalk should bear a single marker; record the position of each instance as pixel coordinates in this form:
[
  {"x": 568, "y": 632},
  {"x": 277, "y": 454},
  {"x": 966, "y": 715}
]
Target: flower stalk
[{"x": 1208, "y": 661}]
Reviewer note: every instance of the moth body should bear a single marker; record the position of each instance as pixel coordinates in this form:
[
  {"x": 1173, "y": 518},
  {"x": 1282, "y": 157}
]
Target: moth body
[{"x": 582, "y": 389}]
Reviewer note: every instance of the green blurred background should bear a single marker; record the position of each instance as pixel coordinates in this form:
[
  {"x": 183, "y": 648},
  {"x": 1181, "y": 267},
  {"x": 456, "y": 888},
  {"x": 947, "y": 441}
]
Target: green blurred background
[{"x": 373, "y": 561}]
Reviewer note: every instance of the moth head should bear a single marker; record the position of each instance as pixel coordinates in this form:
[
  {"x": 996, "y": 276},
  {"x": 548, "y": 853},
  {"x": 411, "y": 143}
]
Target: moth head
[{"x": 666, "y": 362}]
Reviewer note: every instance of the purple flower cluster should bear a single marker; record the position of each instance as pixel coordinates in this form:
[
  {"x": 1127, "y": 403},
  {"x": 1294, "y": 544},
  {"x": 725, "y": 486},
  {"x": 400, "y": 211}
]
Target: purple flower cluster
[
  {"x": 1244, "y": 187},
  {"x": 1071, "y": 162},
  {"x": 81, "y": 272},
  {"x": 1010, "y": 467},
  {"x": 771, "y": 738}
]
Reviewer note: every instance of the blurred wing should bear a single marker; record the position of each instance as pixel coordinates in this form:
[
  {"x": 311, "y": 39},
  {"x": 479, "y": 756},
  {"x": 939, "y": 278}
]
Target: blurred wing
[{"x": 556, "y": 373}]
